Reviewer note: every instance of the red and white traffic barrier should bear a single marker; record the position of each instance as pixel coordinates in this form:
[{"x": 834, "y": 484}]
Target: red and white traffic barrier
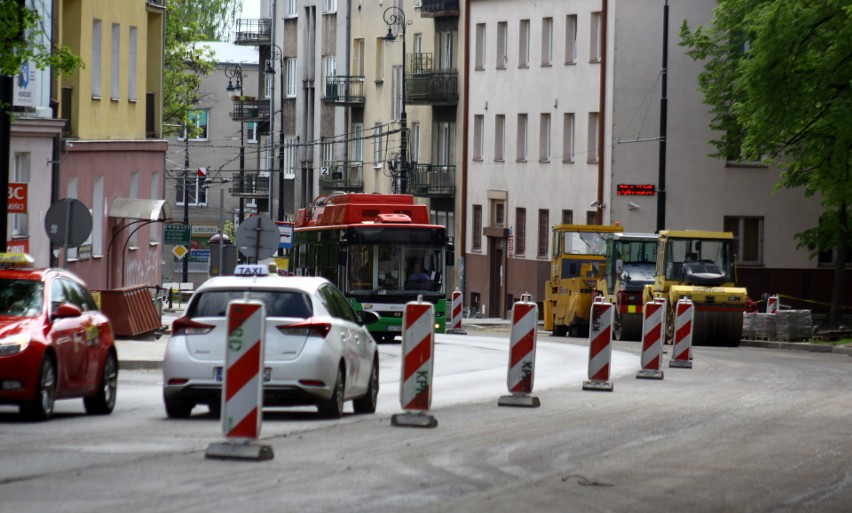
[
  {"x": 683, "y": 326},
  {"x": 600, "y": 346},
  {"x": 242, "y": 383},
  {"x": 456, "y": 308},
  {"x": 653, "y": 331},
  {"x": 415, "y": 384},
  {"x": 521, "y": 371},
  {"x": 772, "y": 305}
]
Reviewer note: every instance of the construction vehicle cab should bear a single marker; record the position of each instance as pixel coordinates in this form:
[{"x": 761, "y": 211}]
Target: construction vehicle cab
[
  {"x": 630, "y": 263},
  {"x": 699, "y": 265},
  {"x": 578, "y": 263}
]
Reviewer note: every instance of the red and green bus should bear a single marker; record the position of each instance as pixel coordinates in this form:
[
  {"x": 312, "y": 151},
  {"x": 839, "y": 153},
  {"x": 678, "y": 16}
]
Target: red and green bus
[{"x": 380, "y": 249}]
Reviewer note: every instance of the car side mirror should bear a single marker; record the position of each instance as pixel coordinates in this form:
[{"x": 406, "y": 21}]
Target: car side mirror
[
  {"x": 368, "y": 317},
  {"x": 66, "y": 310}
]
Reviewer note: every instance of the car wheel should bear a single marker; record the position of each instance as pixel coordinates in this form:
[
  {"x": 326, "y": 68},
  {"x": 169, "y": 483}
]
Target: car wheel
[
  {"x": 103, "y": 402},
  {"x": 333, "y": 407},
  {"x": 177, "y": 409},
  {"x": 41, "y": 407},
  {"x": 367, "y": 403}
]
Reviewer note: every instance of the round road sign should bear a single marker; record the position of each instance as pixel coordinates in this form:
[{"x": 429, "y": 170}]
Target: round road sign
[
  {"x": 258, "y": 237},
  {"x": 68, "y": 223}
]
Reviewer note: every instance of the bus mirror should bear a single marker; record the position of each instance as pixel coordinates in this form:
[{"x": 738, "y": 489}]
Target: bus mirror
[{"x": 451, "y": 251}]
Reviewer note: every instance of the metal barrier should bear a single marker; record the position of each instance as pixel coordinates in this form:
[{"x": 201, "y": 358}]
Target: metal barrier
[{"x": 130, "y": 310}]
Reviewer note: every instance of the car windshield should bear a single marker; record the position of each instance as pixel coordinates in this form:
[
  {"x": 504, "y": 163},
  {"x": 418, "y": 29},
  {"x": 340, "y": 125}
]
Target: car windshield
[
  {"x": 21, "y": 298},
  {"x": 279, "y": 303}
]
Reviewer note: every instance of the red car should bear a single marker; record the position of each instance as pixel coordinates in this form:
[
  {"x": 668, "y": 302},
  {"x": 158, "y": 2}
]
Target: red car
[{"x": 54, "y": 342}]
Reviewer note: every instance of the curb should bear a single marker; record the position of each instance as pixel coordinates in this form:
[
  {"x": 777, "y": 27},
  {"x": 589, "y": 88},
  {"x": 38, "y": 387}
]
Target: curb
[
  {"x": 798, "y": 346},
  {"x": 140, "y": 365}
]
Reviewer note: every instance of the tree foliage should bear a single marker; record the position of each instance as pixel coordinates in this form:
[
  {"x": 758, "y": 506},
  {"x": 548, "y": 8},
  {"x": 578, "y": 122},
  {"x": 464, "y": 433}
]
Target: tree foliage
[
  {"x": 24, "y": 38},
  {"x": 187, "y": 61},
  {"x": 778, "y": 80}
]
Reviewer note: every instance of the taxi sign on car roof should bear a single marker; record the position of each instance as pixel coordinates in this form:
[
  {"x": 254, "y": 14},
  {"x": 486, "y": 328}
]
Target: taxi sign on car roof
[
  {"x": 251, "y": 270},
  {"x": 15, "y": 260}
]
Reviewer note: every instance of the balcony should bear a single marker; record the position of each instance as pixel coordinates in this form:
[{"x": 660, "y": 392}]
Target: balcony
[
  {"x": 342, "y": 175},
  {"x": 439, "y": 8},
  {"x": 251, "y": 32},
  {"x": 424, "y": 86},
  {"x": 250, "y": 185},
  {"x": 432, "y": 180},
  {"x": 342, "y": 90},
  {"x": 250, "y": 110}
]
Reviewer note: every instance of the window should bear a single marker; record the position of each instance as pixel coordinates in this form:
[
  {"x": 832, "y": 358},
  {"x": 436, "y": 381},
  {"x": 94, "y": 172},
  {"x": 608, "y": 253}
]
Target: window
[
  {"x": 329, "y": 69},
  {"x": 396, "y": 91},
  {"x": 251, "y": 132},
  {"x": 291, "y": 11},
  {"x": 591, "y": 217},
  {"x": 20, "y": 223},
  {"x": 478, "y": 126},
  {"x": 445, "y": 51},
  {"x": 154, "y": 231},
  {"x": 71, "y": 192},
  {"x": 196, "y": 192},
  {"x": 480, "y": 46},
  {"x": 477, "y": 228},
  {"x": 748, "y": 238},
  {"x": 544, "y": 138},
  {"x": 567, "y": 217},
  {"x": 329, "y": 6},
  {"x": 115, "y": 62},
  {"x": 199, "y": 120},
  {"x": 444, "y": 144},
  {"x": 414, "y": 142},
  {"x": 524, "y": 44},
  {"x": 358, "y": 58},
  {"x": 498, "y": 213},
  {"x": 499, "y": 137},
  {"x": 132, "y": 62},
  {"x": 522, "y": 138},
  {"x": 592, "y": 156},
  {"x": 547, "y": 41},
  {"x": 445, "y": 218},
  {"x": 377, "y": 145},
  {"x": 571, "y": 39},
  {"x": 134, "y": 194},
  {"x": 290, "y": 158},
  {"x": 520, "y": 231},
  {"x": 543, "y": 233},
  {"x": 96, "y": 58},
  {"x": 568, "y": 137},
  {"x": 358, "y": 142},
  {"x": 380, "y": 60},
  {"x": 595, "y": 42},
  {"x": 502, "y": 45},
  {"x": 98, "y": 214},
  {"x": 290, "y": 66}
]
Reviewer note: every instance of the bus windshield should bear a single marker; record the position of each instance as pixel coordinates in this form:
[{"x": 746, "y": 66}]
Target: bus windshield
[{"x": 394, "y": 268}]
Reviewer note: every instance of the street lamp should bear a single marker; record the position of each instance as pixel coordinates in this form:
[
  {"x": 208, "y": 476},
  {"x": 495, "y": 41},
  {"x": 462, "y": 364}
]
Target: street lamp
[
  {"x": 235, "y": 71},
  {"x": 395, "y": 16},
  {"x": 270, "y": 70}
]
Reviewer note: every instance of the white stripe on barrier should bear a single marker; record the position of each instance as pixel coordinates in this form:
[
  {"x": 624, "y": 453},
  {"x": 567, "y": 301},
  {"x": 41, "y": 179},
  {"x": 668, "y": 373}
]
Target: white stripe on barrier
[
  {"x": 600, "y": 346},
  {"x": 683, "y": 326}
]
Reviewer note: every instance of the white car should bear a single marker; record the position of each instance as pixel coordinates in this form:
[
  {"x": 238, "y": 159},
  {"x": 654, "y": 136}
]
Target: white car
[{"x": 318, "y": 349}]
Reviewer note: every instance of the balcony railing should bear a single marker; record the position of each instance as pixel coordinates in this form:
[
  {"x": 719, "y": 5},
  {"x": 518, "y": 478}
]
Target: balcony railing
[
  {"x": 252, "y": 32},
  {"x": 439, "y": 8},
  {"x": 250, "y": 110},
  {"x": 342, "y": 175},
  {"x": 425, "y": 86},
  {"x": 432, "y": 180},
  {"x": 343, "y": 90},
  {"x": 250, "y": 185}
]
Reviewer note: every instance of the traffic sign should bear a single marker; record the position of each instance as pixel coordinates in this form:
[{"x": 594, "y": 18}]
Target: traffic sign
[
  {"x": 177, "y": 233},
  {"x": 68, "y": 223},
  {"x": 180, "y": 251},
  {"x": 258, "y": 237}
]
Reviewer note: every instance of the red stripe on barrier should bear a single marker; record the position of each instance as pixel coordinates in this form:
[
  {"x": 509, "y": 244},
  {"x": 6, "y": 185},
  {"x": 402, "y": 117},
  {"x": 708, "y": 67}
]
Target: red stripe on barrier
[
  {"x": 654, "y": 334},
  {"x": 418, "y": 312},
  {"x": 243, "y": 370},
  {"x": 683, "y": 331},
  {"x": 246, "y": 428},
  {"x": 600, "y": 343},
  {"x": 420, "y": 401},
  {"x": 521, "y": 348},
  {"x": 602, "y": 374},
  {"x": 524, "y": 385},
  {"x": 239, "y": 314},
  {"x": 419, "y": 355},
  {"x": 654, "y": 364}
]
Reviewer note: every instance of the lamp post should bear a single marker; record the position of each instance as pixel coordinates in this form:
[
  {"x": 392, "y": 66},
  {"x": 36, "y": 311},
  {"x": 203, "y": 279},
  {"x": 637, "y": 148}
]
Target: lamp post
[
  {"x": 270, "y": 70},
  {"x": 235, "y": 71},
  {"x": 185, "y": 274},
  {"x": 396, "y": 16}
]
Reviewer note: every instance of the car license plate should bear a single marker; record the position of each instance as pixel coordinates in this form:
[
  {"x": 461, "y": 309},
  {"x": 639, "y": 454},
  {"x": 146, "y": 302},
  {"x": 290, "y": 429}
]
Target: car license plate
[
  {"x": 267, "y": 373},
  {"x": 394, "y": 327}
]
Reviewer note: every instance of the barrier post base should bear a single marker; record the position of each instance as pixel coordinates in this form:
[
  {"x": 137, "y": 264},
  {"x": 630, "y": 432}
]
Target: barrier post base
[
  {"x": 649, "y": 374},
  {"x": 524, "y": 400},
  {"x": 597, "y": 386},
  {"x": 680, "y": 364},
  {"x": 239, "y": 451},
  {"x": 421, "y": 419},
  {"x": 456, "y": 331}
]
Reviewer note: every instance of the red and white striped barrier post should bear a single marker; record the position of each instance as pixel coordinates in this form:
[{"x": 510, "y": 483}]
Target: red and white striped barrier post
[
  {"x": 653, "y": 331},
  {"x": 772, "y": 305},
  {"x": 600, "y": 346},
  {"x": 683, "y": 325},
  {"x": 415, "y": 384},
  {"x": 522, "y": 355},
  {"x": 456, "y": 314},
  {"x": 242, "y": 383}
]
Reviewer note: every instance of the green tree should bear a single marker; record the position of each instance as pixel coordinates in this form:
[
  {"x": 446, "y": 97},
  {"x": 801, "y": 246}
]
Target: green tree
[
  {"x": 187, "y": 60},
  {"x": 778, "y": 79}
]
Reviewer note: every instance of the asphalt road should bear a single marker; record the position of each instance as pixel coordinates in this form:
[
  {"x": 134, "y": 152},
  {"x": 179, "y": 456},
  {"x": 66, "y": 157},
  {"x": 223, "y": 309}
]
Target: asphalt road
[{"x": 746, "y": 429}]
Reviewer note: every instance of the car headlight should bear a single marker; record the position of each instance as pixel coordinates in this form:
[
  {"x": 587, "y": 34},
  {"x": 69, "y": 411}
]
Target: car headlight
[{"x": 14, "y": 344}]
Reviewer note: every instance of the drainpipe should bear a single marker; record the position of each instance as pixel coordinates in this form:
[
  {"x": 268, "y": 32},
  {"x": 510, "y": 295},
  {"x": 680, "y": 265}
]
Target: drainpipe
[{"x": 602, "y": 112}]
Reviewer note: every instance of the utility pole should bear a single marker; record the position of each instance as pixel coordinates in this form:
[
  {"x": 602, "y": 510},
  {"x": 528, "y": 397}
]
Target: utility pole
[
  {"x": 661, "y": 178},
  {"x": 185, "y": 277}
]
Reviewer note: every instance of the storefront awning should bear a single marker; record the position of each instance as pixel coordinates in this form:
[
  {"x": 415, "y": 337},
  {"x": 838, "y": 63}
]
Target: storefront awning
[{"x": 147, "y": 209}]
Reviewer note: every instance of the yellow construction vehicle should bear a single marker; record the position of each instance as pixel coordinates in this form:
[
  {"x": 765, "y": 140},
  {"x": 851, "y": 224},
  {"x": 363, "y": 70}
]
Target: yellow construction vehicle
[
  {"x": 578, "y": 262},
  {"x": 699, "y": 265},
  {"x": 630, "y": 265}
]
